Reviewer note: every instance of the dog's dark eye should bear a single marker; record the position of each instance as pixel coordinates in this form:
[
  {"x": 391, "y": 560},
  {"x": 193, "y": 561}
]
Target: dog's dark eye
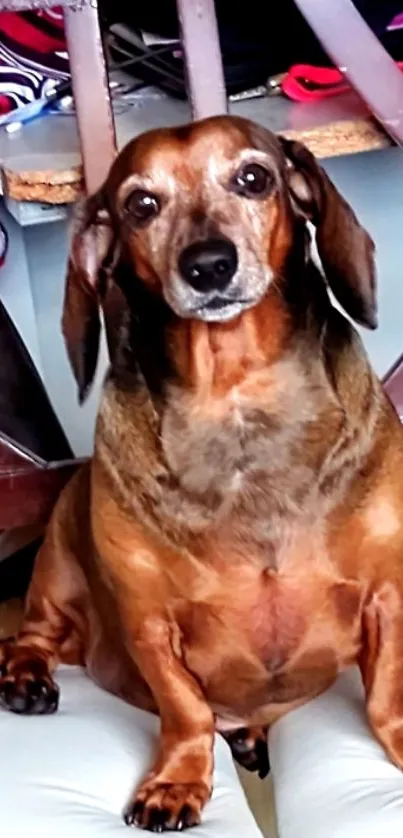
[
  {"x": 253, "y": 181},
  {"x": 141, "y": 206}
]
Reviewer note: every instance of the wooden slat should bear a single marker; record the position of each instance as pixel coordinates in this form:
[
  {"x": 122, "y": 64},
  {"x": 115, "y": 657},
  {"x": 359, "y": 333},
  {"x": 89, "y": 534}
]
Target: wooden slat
[
  {"x": 91, "y": 93},
  {"x": 201, "y": 46}
]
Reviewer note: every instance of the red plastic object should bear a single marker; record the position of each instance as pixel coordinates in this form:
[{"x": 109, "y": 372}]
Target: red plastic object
[{"x": 306, "y": 83}]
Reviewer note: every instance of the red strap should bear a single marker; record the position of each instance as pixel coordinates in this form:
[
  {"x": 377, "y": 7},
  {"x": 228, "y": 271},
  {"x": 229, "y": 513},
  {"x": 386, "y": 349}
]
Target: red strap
[{"x": 305, "y": 83}]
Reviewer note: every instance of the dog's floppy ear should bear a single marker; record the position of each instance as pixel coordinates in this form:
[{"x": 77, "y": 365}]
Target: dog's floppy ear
[
  {"x": 345, "y": 248},
  {"x": 92, "y": 254}
]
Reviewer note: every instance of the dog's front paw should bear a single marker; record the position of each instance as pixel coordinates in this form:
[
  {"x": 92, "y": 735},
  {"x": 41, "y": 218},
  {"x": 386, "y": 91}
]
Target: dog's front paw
[
  {"x": 161, "y": 806},
  {"x": 26, "y": 686}
]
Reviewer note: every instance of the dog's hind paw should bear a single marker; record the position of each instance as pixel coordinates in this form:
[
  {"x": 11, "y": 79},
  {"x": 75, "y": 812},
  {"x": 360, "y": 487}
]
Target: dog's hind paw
[{"x": 249, "y": 749}]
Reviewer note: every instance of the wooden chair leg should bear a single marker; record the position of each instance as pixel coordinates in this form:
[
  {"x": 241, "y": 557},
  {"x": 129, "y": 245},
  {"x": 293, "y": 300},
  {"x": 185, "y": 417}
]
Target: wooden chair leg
[
  {"x": 91, "y": 92},
  {"x": 203, "y": 57}
]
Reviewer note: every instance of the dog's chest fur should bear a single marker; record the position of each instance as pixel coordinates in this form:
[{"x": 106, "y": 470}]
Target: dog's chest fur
[{"x": 241, "y": 468}]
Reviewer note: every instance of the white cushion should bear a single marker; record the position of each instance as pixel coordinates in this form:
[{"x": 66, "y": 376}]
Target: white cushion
[
  {"x": 331, "y": 777},
  {"x": 71, "y": 774}
]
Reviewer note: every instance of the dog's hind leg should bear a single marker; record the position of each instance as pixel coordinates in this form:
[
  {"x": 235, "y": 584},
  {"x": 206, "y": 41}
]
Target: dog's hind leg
[
  {"x": 54, "y": 624},
  {"x": 249, "y": 749},
  {"x": 381, "y": 665}
]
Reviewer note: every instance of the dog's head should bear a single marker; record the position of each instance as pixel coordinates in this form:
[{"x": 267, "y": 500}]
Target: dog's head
[{"x": 205, "y": 217}]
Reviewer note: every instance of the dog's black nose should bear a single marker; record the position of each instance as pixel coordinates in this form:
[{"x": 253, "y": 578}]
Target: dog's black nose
[{"x": 209, "y": 264}]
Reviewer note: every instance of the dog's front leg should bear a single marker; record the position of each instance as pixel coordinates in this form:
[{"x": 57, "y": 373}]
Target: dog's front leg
[
  {"x": 173, "y": 794},
  {"x": 180, "y": 783},
  {"x": 176, "y": 789}
]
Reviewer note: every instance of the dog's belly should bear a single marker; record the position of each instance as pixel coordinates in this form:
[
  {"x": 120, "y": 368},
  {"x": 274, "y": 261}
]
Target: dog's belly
[{"x": 256, "y": 656}]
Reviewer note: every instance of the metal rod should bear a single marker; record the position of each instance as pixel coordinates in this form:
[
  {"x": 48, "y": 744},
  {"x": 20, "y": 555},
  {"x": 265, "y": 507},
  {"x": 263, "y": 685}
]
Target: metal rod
[
  {"x": 204, "y": 67},
  {"x": 91, "y": 92},
  {"x": 360, "y": 55}
]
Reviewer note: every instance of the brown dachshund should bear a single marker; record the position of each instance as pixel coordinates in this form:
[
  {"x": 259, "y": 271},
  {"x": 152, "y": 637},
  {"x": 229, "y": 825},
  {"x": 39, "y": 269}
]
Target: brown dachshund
[{"x": 237, "y": 539}]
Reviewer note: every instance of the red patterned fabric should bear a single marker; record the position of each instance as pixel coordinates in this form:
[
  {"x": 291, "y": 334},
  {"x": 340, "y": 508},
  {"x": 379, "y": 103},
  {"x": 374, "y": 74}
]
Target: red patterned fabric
[{"x": 33, "y": 55}]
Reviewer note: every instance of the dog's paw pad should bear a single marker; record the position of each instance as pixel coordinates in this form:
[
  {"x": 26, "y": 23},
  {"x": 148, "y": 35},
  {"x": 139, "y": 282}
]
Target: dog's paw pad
[
  {"x": 27, "y": 695},
  {"x": 162, "y": 807}
]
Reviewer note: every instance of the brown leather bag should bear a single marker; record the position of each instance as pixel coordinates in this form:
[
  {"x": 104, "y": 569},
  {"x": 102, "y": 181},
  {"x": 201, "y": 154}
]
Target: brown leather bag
[{"x": 35, "y": 457}]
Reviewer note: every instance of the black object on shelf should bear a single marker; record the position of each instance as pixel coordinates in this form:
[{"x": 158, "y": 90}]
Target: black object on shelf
[
  {"x": 16, "y": 571},
  {"x": 258, "y": 38}
]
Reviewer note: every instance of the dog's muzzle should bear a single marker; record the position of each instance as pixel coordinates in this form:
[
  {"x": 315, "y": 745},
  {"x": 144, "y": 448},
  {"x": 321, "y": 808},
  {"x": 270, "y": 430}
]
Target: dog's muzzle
[
  {"x": 208, "y": 268},
  {"x": 209, "y": 265}
]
